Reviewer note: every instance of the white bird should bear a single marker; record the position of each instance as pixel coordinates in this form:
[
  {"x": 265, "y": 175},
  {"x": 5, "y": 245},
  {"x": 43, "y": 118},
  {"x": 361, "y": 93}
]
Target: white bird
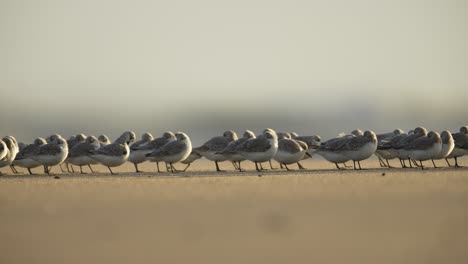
[
  {"x": 290, "y": 151},
  {"x": 461, "y": 145},
  {"x": 313, "y": 143},
  {"x": 3, "y": 149},
  {"x": 51, "y": 154},
  {"x": 174, "y": 151},
  {"x": 396, "y": 145},
  {"x": 104, "y": 140},
  {"x": 22, "y": 159},
  {"x": 212, "y": 148},
  {"x": 73, "y": 141},
  {"x": 231, "y": 151},
  {"x": 425, "y": 148},
  {"x": 260, "y": 149},
  {"x": 275, "y": 135},
  {"x": 116, "y": 153},
  {"x": 360, "y": 147},
  {"x": 448, "y": 144},
  {"x": 79, "y": 154},
  {"x": 137, "y": 156},
  {"x": 385, "y": 155},
  {"x": 330, "y": 150},
  {"x": 12, "y": 150},
  {"x": 156, "y": 144}
]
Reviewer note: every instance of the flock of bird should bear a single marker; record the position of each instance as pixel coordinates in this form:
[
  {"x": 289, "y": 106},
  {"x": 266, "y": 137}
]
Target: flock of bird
[{"x": 411, "y": 149}]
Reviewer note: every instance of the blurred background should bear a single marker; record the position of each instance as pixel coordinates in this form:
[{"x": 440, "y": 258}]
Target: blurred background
[{"x": 314, "y": 67}]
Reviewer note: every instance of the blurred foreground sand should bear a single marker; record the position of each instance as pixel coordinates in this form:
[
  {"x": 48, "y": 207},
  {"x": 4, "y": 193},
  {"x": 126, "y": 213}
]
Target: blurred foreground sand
[{"x": 321, "y": 216}]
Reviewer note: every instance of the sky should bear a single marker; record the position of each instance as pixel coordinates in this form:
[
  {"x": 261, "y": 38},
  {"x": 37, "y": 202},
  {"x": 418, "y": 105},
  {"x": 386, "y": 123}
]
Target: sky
[{"x": 315, "y": 67}]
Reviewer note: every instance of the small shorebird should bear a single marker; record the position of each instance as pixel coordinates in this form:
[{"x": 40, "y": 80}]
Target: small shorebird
[
  {"x": 448, "y": 144},
  {"x": 382, "y": 154},
  {"x": 116, "y": 153},
  {"x": 174, "y": 151},
  {"x": 290, "y": 151},
  {"x": 11, "y": 151},
  {"x": 51, "y": 154},
  {"x": 360, "y": 148},
  {"x": 212, "y": 148},
  {"x": 137, "y": 156},
  {"x": 425, "y": 148},
  {"x": 104, "y": 140},
  {"x": 22, "y": 159},
  {"x": 156, "y": 144},
  {"x": 231, "y": 150},
  {"x": 395, "y": 145},
  {"x": 331, "y": 149},
  {"x": 313, "y": 143},
  {"x": 79, "y": 154},
  {"x": 14, "y": 151},
  {"x": 260, "y": 149},
  {"x": 461, "y": 145}
]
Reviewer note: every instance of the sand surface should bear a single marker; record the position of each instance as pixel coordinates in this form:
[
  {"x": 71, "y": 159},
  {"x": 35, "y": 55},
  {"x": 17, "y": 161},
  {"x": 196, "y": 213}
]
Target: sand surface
[{"x": 316, "y": 216}]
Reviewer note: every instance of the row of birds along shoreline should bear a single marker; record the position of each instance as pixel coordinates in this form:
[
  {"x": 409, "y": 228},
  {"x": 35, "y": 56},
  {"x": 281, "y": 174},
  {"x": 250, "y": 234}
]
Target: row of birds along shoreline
[{"x": 411, "y": 149}]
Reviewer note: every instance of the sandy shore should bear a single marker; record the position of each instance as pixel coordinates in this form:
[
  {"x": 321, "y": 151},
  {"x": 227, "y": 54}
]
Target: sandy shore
[{"x": 320, "y": 215}]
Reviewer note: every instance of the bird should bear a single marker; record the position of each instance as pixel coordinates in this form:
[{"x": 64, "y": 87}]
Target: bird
[
  {"x": 290, "y": 151},
  {"x": 3, "y": 149},
  {"x": 116, "y": 153},
  {"x": 425, "y": 148},
  {"x": 155, "y": 144},
  {"x": 212, "y": 147},
  {"x": 104, "y": 140},
  {"x": 138, "y": 156},
  {"x": 22, "y": 159},
  {"x": 448, "y": 144},
  {"x": 15, "y": 150},
  {"x": 275, "y": 135},
  {"x": 385, "y": 155},
  {"x": 231, "y": 150},
  {"x": 396, "y": 145},
  {"x": 360, "y": 147},
  {"x": 263, "y": 148},
  {"x": 51, "y": 154},
  {"x": 174, "y": 151},
  {"x": 73, "y": 141},
  {"x": 330, "y": 149},
  {"x": 313, "y": 143},
  {"x": 11, "y": 151},
  {"x": 461, "y": 145},
  {"x": 79, "y": 154}
]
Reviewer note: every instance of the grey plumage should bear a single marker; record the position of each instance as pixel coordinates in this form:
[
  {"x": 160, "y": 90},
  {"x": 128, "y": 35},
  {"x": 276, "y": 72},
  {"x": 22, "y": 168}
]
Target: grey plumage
[
  {"x": 145, "y": 138},
  {"x": 289, "y": 145},
  {"x": 158, "y": 142}
]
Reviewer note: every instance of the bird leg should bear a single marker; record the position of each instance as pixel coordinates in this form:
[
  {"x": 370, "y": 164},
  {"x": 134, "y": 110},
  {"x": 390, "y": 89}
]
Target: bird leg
[
  {"x": 234, "y": 164},
  {"x": 300, "y": 166},
  {"x": 382, "y": 163},
  {"x": 188, "y": 165},
  {"x": 256, "y": 166},
  {"x": 338, "y": 167},
  {"x": 271, "y": 165},
  {"x": 217, "y": 166},
  {"x": 448, "y": 163},
  {"x": 111, "y": 170},
  {"x": 136, "y": 168}
]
